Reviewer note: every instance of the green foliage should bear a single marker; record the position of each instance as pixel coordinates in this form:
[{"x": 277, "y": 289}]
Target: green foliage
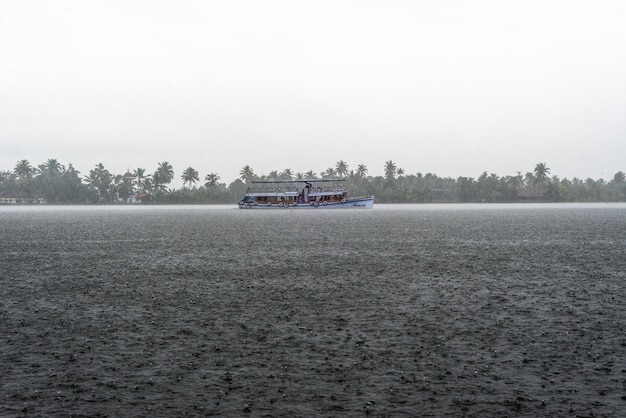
[
  {"x": 60, "y": 185},
  {"x": 190, "y": 176}
]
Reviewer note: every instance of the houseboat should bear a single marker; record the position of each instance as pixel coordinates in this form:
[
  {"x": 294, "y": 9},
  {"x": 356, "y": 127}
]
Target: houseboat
[{"x": 302, "y": 194}]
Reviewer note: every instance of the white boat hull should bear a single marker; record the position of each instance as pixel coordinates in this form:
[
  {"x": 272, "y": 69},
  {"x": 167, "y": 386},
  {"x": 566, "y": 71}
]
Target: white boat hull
[{"x": 356, "y": 203}]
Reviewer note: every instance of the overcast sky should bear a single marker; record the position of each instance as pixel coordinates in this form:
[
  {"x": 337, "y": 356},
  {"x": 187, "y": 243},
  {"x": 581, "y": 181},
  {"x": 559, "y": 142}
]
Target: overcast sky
[{"x": 449, "y": 87}]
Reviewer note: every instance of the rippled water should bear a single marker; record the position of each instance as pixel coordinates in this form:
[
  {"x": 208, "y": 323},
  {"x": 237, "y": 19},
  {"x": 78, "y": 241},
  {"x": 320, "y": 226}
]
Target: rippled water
[{"x": 466, "y": 310}]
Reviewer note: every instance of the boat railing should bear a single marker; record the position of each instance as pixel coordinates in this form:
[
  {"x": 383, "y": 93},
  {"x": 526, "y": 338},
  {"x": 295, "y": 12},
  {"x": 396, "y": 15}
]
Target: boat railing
[
  {"x": 272, "y": 188},
  {"x": 275, "y": 190}
]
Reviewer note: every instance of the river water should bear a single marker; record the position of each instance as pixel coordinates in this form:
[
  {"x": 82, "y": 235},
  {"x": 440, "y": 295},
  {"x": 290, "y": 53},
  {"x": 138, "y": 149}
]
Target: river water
[{"x": 402, "y": 310}]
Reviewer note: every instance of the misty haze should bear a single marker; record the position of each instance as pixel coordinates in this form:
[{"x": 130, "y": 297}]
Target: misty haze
[{"x": 478, "y": 151}]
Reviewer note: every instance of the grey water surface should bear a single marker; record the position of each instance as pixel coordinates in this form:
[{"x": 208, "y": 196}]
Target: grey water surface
[{"x": 402, "y": 310}]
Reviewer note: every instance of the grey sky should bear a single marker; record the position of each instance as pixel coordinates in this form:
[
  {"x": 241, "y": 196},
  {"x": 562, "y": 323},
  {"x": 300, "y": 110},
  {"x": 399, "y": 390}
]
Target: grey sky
[{"x": 450, "y": 87}]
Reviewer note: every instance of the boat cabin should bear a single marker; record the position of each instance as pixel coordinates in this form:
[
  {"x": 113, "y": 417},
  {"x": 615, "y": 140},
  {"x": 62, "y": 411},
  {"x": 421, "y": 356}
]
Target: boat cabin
[{"x": 296, "y": 192}]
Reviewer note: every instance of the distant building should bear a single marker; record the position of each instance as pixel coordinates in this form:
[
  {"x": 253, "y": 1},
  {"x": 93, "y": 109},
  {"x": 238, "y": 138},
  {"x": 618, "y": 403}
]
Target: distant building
[
  {"x": 530, "y": 194},
  {"x": 139, "y": 198},
  {"x": 4, "y": 200}
]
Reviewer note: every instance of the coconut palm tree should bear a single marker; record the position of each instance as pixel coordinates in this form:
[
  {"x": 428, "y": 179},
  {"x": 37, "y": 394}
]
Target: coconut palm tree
[
  {"x": 72, "y": 186},
  {"x": 309, "y": 174},
  {"x": 165, "y": 172},
  {"x": 390, "y": 170},
  {"x": 541, "y": 172},
  {"x": 341, "y": 168},
  {"x": 190, "y": 175},
  {"x": 287, "y": 174},
  {"x": 24, "y": 172},
  {"x": 100, "y": 180},
  {"x": 23, "y": 169},
  {"x": 618, "y": 186},
  {"x": 529, "y": 178},
  {"x": 162, "y": 176},
  {"x": 53, "y": 167},
  {"x": 247, "y": 174},
  {"x": 7, "y": 182},
  {"x": 50, "y": 179},
  {"x": 330, "y": 172},
  {"x": 211, "y": 180},
  {"x": 6, "y": 176},
  {"x": 148, "y": 184},
  {"x": 141, "y": 176},
  {"x": 361, "y": 170},
  {"x": 123, "y": 185}
]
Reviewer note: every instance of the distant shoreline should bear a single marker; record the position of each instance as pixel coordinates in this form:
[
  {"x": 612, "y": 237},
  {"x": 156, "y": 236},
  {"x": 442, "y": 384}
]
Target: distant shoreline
[{"x": 54, "y": 183}]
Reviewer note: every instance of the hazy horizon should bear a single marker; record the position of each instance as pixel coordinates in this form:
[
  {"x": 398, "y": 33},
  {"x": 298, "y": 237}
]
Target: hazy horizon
[{"x": 450, "y": 87}]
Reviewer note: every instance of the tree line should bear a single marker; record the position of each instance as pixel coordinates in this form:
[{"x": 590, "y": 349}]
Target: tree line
[{"x": 60, "y": 184}]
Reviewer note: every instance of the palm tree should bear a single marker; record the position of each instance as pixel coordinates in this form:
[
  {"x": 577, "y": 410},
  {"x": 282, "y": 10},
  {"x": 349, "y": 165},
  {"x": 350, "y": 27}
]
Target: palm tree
[
  {"x": 273, "y": 175},
  {"x": 53, "y": 167},
  {"x": 541, "y": 172},
  {"x": 23, "y": 169},
  {"x": 162, "y": 176},
  {"x": 390, "y": 170},
  {"x": 7, "y": 181},
  {"x": 24, "y": 172},
  {"x": 123, "y": 185},
  {"x": 341, "y": 168},
  {"x": 287, "y": 174},
  {"x": 50, "y": 179},
  {"x": 211, "y": 180},
  {"x": 72, "y": 186},
  {"x": 247, "y": 174},
  {"x": 618, "y": 186},
  {"x": 190, "y": 175},
  {"x": 330, "y": 172},
  {"x": 529, "y": 178},
  {"x": 361, "y": 170},
  {"x": 101, "y": 182},
  {"x": 309, "y": 174},
  {"x": 141, "y": 176},
  {"x": 516, "y": 183},
  {"x": 166, "y": 172},
  {"x": 148, "y": 185}
]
